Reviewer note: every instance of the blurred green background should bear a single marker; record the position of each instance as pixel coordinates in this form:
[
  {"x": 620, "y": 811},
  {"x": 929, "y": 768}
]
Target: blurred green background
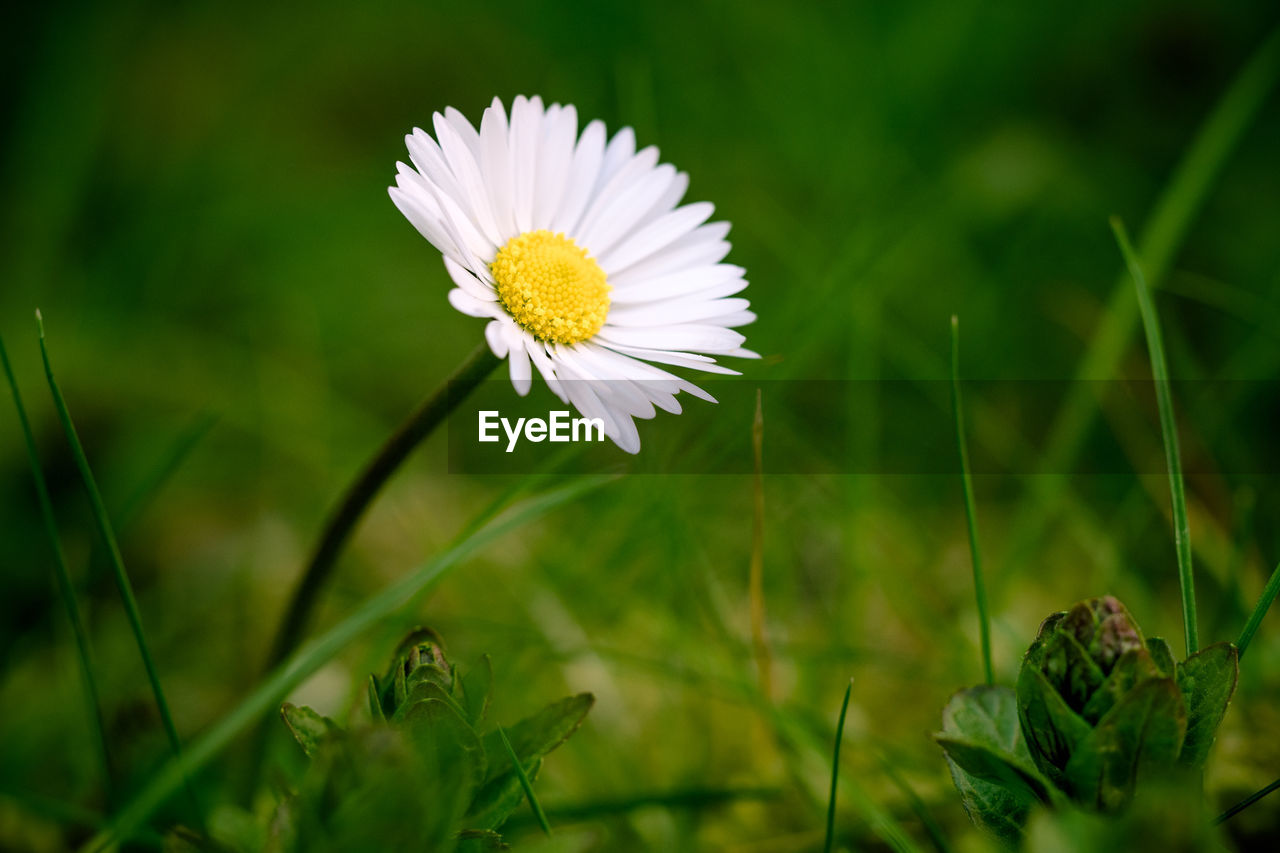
[{"x": 195, "y": 198}]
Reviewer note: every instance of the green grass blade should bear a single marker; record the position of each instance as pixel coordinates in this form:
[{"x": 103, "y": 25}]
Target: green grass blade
[
  {"x": 1169, "y": 428},
  {"x": 1165, "y": 229},
  {"x": 525, "y": 784},
  {"x": 1259, "y": 611},
  {"x": 315, "y": 653},
  {"x": 103, "y": 523},
  {"x": 808, "y": 757},
  {"x": 1246, "y": 802},
  {"x": 835, "y": 771},
  {"x": 66, "y": 589},
  {"x": 979, "y": 582}
]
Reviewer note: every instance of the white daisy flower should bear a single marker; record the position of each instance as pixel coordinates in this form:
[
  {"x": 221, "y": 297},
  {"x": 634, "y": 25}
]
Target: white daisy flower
[{"x": 579, "y": 253}]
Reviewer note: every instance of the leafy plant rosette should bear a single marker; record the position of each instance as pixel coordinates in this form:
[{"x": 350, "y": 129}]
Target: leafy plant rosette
[
  {"x": 427, "y": 773},
  {"x": 1098, "y": 715}
]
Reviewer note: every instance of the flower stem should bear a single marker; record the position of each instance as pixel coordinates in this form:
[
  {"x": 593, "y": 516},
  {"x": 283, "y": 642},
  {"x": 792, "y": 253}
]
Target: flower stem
[
  {"x": 1169, "y": 427},
  {"x": 66, "y": 589},
  {"x": 1260, "y": 610},
  {"x": 970, "y": 510},
  {"x": 420, "y": 423},
  {"x": 125, "y": 587}
]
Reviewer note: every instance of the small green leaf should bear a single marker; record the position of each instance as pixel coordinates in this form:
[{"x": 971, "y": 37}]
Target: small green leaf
[
  {"x": 989, "y": 761},
  {"x": 990, "y": 806},
  {"x": 1207, "y": 680},
  {"x": 999, "y": 768},
  {"x": 1053, "y": 731},
  {"x": 309, "y": 729},
  {"x": 535, "y": 736},
  {"x": 477, "y": 684},
  {"x": 1145, "y": 728},
  {"x": 1162, "y": 656},
  {"x": 984, "y": 714}
]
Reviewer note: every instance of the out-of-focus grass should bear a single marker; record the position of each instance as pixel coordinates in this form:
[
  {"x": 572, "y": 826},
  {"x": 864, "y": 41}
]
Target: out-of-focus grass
[{"x": 195, "y": 196}]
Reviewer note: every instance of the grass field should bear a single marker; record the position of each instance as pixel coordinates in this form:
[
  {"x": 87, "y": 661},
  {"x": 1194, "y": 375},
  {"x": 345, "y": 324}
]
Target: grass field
[{"x": 195, "y": 199}]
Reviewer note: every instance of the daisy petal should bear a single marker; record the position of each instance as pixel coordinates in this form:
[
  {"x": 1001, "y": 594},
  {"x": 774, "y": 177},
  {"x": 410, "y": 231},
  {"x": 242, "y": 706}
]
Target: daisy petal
[
  {"x": 686, "y": 336},
  {"x": 464, "y": 129},
  {"x": 631, "y": 172},
  {"x": 542, "y": 361},
  {"x": 521, "y": 376},
  {"x": 621, "y": 148},
  {"x": 676, "y": 311},
  {"x": 464, "y": 279},
  {"x": 555, "y": 155},
  {"x": 526, "y": 127},
  {"x": 692, "y": 361},
  {"x": 495, "y": 165},
  {"x": 461, "y": 159},
  {"x": 469, "y": 305},
  {"x": 613, "y": 389},
  {"x": 583, "y": 172},
  {"x": 613, "y": 222},
  {"x": 655, "y": 237},
  {"x": 414, "y": 208},
  {"x": 702, "y": 246},
  {"x": 707, "y": 282},
  {"x": 497, "y": 340}
]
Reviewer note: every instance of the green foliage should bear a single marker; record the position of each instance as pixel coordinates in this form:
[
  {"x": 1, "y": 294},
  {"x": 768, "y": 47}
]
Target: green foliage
[
  {"x": 308, "y": 728},
  {"x": 423, "y": 774},
  {"x": 197, "y": 191},
  {"x": 989, "y": 761},
  {"x": 1098, "y": 714},
  {"x": 1207, "y": 680}
]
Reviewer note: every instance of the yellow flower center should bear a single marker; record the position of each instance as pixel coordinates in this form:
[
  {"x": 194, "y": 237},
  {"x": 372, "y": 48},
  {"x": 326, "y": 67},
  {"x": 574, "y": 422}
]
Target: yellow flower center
[{"x": 551, "y": 287}]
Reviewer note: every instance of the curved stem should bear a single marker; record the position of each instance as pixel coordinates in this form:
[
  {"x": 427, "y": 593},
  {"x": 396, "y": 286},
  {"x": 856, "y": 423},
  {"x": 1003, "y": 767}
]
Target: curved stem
[{"x": 420, "y": 423}]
